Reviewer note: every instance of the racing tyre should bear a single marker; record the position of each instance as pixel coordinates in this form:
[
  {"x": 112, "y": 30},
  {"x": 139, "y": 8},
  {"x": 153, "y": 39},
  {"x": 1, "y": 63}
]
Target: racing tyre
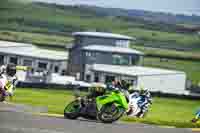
[
  {"x": 72, "y": 110},
  {"x": 110, "y": 113}
]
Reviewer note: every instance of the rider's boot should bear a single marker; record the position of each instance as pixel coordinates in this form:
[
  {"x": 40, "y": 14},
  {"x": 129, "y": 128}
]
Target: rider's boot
[
  {"x": 129, "y": 111},
  {"x": 141, "y": 113}
]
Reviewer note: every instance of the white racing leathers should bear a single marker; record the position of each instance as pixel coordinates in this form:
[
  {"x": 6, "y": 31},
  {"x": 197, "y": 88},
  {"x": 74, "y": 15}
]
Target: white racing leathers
[{"x": 138, "y": 105}]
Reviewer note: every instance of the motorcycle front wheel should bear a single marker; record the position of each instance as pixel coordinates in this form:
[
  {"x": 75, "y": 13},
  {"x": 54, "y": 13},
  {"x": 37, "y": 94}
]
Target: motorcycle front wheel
[
  {"x": 110, "y": 113},
  {"x": 72, "y": 110},
  {"x": 2, "y": 98}
]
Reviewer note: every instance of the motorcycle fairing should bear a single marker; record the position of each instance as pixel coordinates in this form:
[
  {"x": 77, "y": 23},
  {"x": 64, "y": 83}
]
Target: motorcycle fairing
[{"x": 117, "y": 98}]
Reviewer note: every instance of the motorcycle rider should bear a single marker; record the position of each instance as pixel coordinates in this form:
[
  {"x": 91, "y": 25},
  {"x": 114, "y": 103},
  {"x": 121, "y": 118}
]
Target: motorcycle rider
[
  {"x": 145, "y": 101},
  {"x": 197, "y": 117},
  {"x": 94, "y": 91},
  {"x": 98, "y": 90},
  {"x": 8, "y": 79}
]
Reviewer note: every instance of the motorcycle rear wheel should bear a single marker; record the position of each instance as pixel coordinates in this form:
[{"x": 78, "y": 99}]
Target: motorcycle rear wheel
[
  {"x": 72, "y": 110},
  {"x": 110, "y": 113}
]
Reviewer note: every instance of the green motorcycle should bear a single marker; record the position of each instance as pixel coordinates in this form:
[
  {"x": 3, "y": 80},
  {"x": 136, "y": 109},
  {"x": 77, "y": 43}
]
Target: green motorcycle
[{"x": 106, "y": 108}]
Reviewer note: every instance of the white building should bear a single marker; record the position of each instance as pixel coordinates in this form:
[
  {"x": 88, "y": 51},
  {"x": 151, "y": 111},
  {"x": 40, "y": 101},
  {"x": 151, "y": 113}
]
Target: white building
[
  {"x": 104, "y": 57},
  {"x": 39, "y": 59},
  {"x": 157, "y": 80}
]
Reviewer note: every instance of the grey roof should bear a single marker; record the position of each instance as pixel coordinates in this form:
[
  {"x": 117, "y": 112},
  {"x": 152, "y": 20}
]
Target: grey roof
[
  {"x": 28, "y": 50},
  {"x": 132, "y": 70},
  {"x": 113, "y": 49},
  {"x": 103, "y": 34}
]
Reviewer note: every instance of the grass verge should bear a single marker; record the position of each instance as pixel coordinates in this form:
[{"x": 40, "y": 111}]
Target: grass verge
[
  {"x": 55, "y": 100},
  {"x": 35, "y": 38},
  {"x": 169, "y": 53},
  {"x": 164, "y": 111}
]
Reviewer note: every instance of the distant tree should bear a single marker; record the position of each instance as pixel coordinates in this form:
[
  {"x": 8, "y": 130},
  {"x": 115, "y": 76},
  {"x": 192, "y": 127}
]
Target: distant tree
[{"x": 153, "y": 34}]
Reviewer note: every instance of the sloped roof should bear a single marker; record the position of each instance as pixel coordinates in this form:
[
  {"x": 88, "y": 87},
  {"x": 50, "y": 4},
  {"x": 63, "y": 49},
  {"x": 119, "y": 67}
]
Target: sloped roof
[
  {"x": 29, "y": 50},
  {"x": 103, "y": 35},
  {"x": 112, "y": 49},
  {"x": 132, "y": 70}
]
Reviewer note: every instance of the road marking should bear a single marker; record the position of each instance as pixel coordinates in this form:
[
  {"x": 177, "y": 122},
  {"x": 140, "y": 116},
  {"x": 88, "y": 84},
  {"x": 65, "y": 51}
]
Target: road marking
[
  {"x": 196, "y": 129},
  {"x": 50, "y": 115},
  {"x": 166, "y": 127}
]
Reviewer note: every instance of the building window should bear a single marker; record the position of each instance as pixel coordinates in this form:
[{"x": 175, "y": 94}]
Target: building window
[
  {"x": 42, "y": 65},
  {"x": 109, "y": 79},
  {"x": 63, "y": 72},
  {"x": 120, "y": 60},
  {"x": 1, "y": 59},
  {"x": 27, "y": 62},
  {"x": 135, "y": 60},
  {"x": 88, "y": 54},
  {"x": 88, "y": 78},
  {"x": 115, "y": 60},
  {"x": 13, "y": 60},
  {"x": 56, "y": 69},
  {"x": 51, "y": 66},
  {"x": 91, "y": 56},
  {"x": 96, "y": 77},
  {"x": 122, "y": 43}
]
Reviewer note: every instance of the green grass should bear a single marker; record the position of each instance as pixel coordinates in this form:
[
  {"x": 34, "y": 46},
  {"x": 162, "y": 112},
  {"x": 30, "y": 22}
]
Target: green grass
[
  {"x": 38, "y": 18},
  {"x": 164, "y": 111},
  {"x": 168, "y": 53},
  {"x": 187, "y": 40},
  {"x": 46, "y": 40},
  {"x": 55, "y": 100},
  {"x": 35, "y": 38},
  {"x": 191, "y": 68},
  {"x": 171, "y": 112}
]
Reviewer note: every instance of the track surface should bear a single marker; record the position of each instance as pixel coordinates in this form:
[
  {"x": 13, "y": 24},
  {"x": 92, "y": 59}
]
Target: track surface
[{"x": 19, "y": 122}]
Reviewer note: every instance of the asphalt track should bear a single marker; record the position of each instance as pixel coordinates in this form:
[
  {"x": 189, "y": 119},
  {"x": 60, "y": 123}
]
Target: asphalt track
[{"x": 16, "y": 121}]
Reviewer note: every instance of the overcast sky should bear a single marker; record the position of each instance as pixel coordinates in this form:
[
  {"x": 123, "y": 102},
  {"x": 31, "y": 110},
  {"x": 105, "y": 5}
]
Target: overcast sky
[{"x": 173, "y": 6}]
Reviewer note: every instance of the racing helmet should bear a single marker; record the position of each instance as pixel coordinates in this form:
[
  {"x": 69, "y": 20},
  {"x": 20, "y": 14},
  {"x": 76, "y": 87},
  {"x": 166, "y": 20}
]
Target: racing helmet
[{"x": 11, "y": 70}]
